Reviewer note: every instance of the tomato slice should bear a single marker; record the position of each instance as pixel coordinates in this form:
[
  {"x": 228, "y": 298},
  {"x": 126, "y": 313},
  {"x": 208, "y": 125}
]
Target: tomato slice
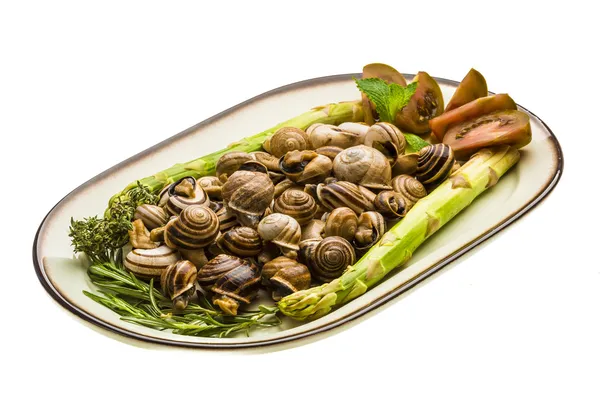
[
  {"x": 472, "y": 109},
  {"x": 473, "y": 86},
  {"x": 507, "y": 127}
]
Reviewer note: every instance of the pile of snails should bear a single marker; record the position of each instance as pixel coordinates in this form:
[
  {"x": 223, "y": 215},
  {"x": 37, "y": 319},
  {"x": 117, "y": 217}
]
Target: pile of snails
[{"x": 295, "y": 215}]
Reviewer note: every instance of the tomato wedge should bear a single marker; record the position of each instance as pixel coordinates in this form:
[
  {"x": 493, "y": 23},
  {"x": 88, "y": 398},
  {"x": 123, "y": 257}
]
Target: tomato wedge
[
  {"x": 473, "y": 86},
  {"x": 382, "y": 71}
]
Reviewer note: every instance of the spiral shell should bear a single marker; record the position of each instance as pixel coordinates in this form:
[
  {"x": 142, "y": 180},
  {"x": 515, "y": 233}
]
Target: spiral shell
[
  {"x": 363, "y": 165},
  {"x": 435, "y": 163},
  {"x": 210, "y": 272},
  {"x": 390, "y": 204},
  {"x": 285, "y": 140},
  {"x": 196, "y": 227},
  {"x": 297, "y": 204},
  {"x": 212, "y": 186},
  {"x": 288, "y": 278},
  {"x": 240, "y": 285},
  {"x": 268, "y": 160},
  {"x": 307, "y": 249},
  {"x": 241, "y": 241},
  {"x": 150, "y": 263},
  {"x": 321, "y": 135},
  {"x": 410, "y": 188},
  {"x": 383, "y": 134},
  {"x": 342, "y": 222},
  {"x": 272, "y": 267},
  {"x": 305, "y": 166},
  {"x": 329, "y": 151},
  {"x": 152, "y": 216},
  {"x": 228, "y": 163},
  {"x": 315, "y": 229},
  {"x": 330, "y": 258},
  {"x": 371, "y": 227},
  {"x": 343, "y": 194},
  {"x": 182, "y": 194},
  {"x": 178, "y": 283},
  {"x": 406, "y": 164},
  {"x": 248, "y": 194},
  {"x": 227, "y": 219},
  {"x": 282, "y": 230}
]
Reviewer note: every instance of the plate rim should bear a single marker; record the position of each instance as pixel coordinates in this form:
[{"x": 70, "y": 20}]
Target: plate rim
[{"x": 555, "y": 177}]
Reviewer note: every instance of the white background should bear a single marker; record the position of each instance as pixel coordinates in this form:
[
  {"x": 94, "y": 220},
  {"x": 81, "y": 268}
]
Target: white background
[{"x": 84, "y": 86}]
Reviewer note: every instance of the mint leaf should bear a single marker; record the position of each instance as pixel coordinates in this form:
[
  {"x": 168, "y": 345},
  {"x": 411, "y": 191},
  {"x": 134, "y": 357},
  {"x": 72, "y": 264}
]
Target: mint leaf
[
  {"x": 388, "y": 98},
  {"x": 414, "y": 143}
]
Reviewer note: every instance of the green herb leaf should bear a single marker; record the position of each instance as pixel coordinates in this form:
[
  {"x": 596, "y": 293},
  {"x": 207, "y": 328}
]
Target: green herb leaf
[
  {"x": 414, "y": 143},
  {"x": 389, "y": 99}
]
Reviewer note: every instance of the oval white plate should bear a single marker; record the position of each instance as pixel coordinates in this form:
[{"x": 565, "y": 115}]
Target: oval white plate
[{"x": 64, "y": 276}]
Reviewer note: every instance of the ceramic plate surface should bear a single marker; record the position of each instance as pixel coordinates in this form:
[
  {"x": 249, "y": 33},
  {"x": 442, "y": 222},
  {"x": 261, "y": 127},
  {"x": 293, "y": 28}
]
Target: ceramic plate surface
[{"x": 64, "y": 276}]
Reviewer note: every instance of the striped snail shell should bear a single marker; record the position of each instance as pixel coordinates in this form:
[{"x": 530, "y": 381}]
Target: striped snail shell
[
  {"x": 363, "y": 165},
  {"x": 330, "y": 258},
  {"x": 150, "y": 263},
  {"x": 210, "y": 272},
  {"x": 371, "y": 227},
  {"x": 406, "y": 164},
  {"x": 282, "y": 230},
  {"x": 313, "y": 230},
  {"x": 248, "y": 194},
  {"x": 385, "y": 136},
  {"x": 284, "y": 185},
  {"x": 435, "y": 163},
  {"x": 285, "y": 140},
  {"x": 269, "y": 252},
  {"x": 178, "y": 283},
  {"x": 287, "y": 276},
  {"x": 215, "y": 206},
  {"x": 196, "y": 227},
  {"x": 321, "y": 135},
  {"x": 272, "y": 267},
  {"x": 227, "y": 219},
  {"x": 343, "y": 194},
  {"x": 241, "y": 241},
  {"x": 228, "y": 163},
  {"x": 212, "y": 186},
  {"x": 296, "y": 204},
  {"x": 390, "y": 204},
  {"x": 305, "y": 166},
  {"x": 268, "y": 160},
  {"x": 183, "y": 193},
  {"x": 410, "y": 188},
  {"x": 342, "y": 222},
  {"x": 240, "y": 285},
  {"x": 329, "y": 151},
  {"x": 307, "y": 249},
  {"x": 152, "y": 216}
]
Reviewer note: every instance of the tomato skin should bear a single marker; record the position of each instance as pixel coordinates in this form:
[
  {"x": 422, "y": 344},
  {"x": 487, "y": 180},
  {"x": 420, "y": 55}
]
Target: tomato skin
[
  {"x": 473, "y": 109},
  {"x": 426, "y": 104},
  {"x": 473, "y": 86},
  {"x": 506, "y": 127},
  {"x": 382, "y": 71}
]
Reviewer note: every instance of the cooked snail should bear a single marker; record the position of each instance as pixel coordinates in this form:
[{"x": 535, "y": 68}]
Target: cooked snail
[
  {"x": 363, "y": 165},
  {"x": 215, "y": 206},
  {"x": 158, "y": 234},
  {"x": 230, "y": 162},
  {"x": 330, "y": 258},
  {"x": 342, "y": 222},
  {"x": 240, "y": 285},
  {"x": 286, "y": 139},
  {"x": 268, "y": 160},
  {"x": 282, "y": 230},
  {"x": 371, "y": 226},
  {"x": 313, "y": 230},
  {"x": 387, "y": 138},
  {"x": 358, "y": 128},
  {"x": 227, "y": 219},
  {"x": 181, "y": 194},
  {"x": 410, "y": 188},
  {"x": 152, "y": 216},
  {"x": 330, "y": 135},
  {"x": 305, "y": 166},
  {"x": 343, "y": 194},
  {"x": 268, "y": 253},
  {"x": 435, "y": 163},
  {"x": 241, "y": 241},
  {"x": 150, "y": 263},
  {"x": 212, "y": 186},
  {"x": 273, "y": 266},
  {"x": 307, "y": 249},
  {"x": 248, "y": 194},
  {"x": 139, "y": 237},
  {"x": 406, "y": 164},
  {"x": 276, "y": 177},
  {"x": 296, "y": 204},
  {"x": 284, "y": 185},
  {"x": 210, "y": 272},
  {"x": 254, "y": 166},
  {"x": 196, "y": 227},
  {"x": 390, "y": 204},
  {"x": 286, "y": 276},
  {"x": 197, "y": 256},
  {"x": 178, "y": 283},
  {"x": 329, "y": 151}
]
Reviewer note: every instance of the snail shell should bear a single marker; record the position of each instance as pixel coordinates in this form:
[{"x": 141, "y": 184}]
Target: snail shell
[
  {"x": 197, "y": 257},
  {"x": 215, "y": 206},
  {"x": 290, "y": 279},
  {"x": 297, "y": 204},
  {"x": 305, "y": 166},
  {"x": 285, "y": 140},
  {"x": 321, "y": 135},
  {"x": 390, "y": 204},
  {"x": 383, "y": 133},
  {"x": 435, "y": 163},
  {"x": 282, "y": 230},
  {"x": 406, "y": 164},
  {"x": 152, "y": 216},
  {"x": 150, "y": 263},
  {"x": 307, "y": 249},
  {"x": 269, "y": 252},
  {"x": 342, "y": 222},
  {"x": 284, "y": 185},
  {"x": 343, "y": 194},
  {"x": 182, "y": 194},
  {"x": 196, "y": 227},
  {"x": 363, "y": 165},
  {"x": 230, "y": 162},
  {"x": 371, "y": 226},
  {"x": 212, "y": 186},
  {"x": 358, "y": 128},
  {"x": 248, "y": 194},
  {"x": 178, "y": 283},
  {"x": 276, "y": 177},
  {"x": 254, "y": 166},
  {"x": 410, "y": 188},
  {"x": 210, "y": 272},
  {"x": 315, "y": 229},
  {"x": 272, "y": 267},
  {"x": 329, "y": 151},
  {"x": 227, "y": 219},
  {"x": 241, "y": 241},
  {"x": 330, "y": 258},
  {"x": 268, "y": 160},
  {"x": 240, "y": 285}
]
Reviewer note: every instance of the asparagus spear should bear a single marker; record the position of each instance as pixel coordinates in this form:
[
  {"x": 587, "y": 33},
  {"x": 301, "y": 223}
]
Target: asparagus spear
[
  {"x": 334, "y": 113},
  {"x": 397, "y": 246}
]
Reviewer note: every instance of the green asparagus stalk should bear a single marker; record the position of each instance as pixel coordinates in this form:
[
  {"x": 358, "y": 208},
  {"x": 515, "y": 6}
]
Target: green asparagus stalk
[
  {"x": 396, "y": 247},
  {"x": 334, "y": 113}
]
